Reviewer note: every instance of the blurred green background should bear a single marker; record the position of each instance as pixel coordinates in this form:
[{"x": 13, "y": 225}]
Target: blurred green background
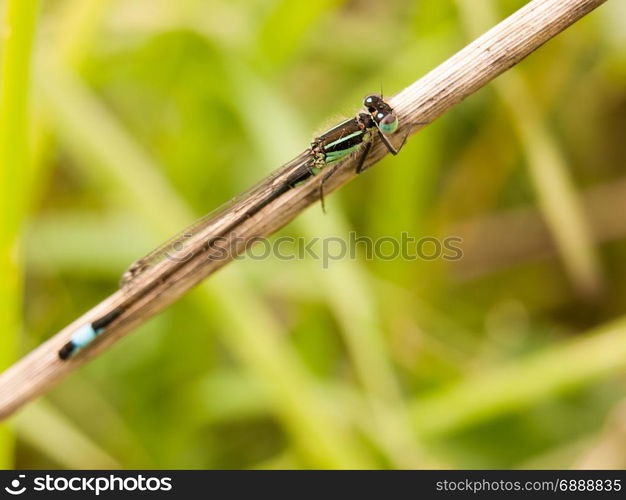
[{"x": 145, "y": 114}]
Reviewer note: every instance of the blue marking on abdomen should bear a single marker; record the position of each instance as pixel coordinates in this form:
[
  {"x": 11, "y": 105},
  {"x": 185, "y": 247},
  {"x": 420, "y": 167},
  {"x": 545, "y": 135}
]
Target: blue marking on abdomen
[{"x": 84, "y": 335}]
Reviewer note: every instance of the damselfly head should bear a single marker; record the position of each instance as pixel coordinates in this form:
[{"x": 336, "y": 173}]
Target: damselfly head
[{"x": 381, "y": 113}]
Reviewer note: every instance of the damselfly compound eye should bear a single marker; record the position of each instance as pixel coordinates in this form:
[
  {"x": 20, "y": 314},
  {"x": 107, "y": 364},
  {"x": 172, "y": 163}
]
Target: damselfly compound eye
[
  {"x": 388, "y": 124},
  {"x": 371, "y": 102}
]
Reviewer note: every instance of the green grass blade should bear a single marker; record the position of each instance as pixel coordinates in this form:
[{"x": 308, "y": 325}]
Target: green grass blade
[
  {"x": 556, "y": 193},
  {"x": 51, "y": 432},
  {"x": 522, "y": 384},
  {"x": 18, "y": 30}
]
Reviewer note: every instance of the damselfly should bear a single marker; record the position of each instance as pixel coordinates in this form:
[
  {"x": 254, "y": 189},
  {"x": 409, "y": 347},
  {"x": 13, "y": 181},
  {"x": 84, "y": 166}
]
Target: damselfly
[{"x": 352, "y": 135}]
